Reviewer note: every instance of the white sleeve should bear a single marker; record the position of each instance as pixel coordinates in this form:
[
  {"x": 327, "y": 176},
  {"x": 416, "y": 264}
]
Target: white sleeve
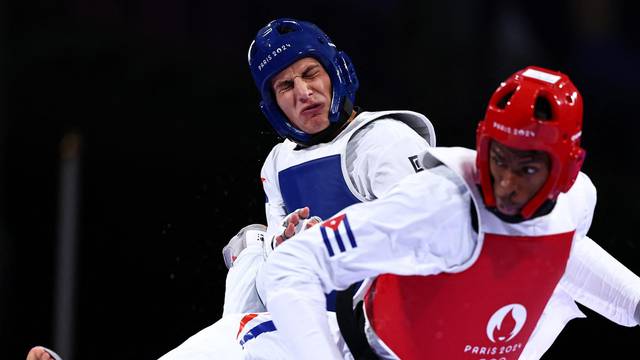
[
  {"x": 401, "y": 233},
  {"x": 598, "y": 281},
  {"x": 274, "y": 204},
  {"x": 593, "y": 277},
  {"x": 380, "y": 154}
]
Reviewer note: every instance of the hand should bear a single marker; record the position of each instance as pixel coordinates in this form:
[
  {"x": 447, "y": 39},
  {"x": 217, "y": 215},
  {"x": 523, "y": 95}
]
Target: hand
[{"x": 295, "y": 223}]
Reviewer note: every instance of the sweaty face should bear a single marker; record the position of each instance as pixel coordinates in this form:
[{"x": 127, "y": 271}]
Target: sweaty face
[
  {"x": 303, "y": 92},
  {"x": 517, "y": 176}
]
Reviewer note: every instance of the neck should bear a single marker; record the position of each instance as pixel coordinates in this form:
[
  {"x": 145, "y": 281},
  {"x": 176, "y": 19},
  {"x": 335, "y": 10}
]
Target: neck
[{"x": 340, "y": 128}]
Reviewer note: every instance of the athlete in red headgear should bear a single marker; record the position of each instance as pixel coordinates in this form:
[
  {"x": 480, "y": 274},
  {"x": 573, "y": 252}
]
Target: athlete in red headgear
[
  {"x": 538, "y": 110},
  {"x": 498, "y": 231}
]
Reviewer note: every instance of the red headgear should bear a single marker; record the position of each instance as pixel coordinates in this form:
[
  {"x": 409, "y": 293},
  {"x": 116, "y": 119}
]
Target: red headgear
[{"x": 511, "y": 120}]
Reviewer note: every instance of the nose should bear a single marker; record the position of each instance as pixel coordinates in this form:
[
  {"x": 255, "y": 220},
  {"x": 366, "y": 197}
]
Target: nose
[
  {"x": 506, "y": 184},
  {"x": 302, "y": 90}
]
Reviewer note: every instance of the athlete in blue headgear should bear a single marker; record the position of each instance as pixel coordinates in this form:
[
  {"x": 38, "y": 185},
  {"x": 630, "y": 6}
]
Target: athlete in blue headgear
[
  {"x": 333, "y": 154},
  {"x": 277, "y": 47}
]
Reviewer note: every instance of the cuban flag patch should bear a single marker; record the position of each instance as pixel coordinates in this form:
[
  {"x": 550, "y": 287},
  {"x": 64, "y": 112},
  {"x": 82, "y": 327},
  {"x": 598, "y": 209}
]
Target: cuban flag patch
[{"x": 337, "y": 234}]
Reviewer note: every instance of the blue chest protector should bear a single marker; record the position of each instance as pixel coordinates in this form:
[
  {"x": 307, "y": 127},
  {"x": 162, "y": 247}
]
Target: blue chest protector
[{"x": 320, "y": 185}]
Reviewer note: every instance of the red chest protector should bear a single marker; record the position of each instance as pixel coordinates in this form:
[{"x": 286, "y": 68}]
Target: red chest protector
[{"x": 485, "y": 312}]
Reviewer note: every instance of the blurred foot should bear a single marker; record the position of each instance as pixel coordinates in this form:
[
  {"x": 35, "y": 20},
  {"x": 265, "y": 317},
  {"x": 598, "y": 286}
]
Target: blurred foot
[{"x": 42, "y": 353}]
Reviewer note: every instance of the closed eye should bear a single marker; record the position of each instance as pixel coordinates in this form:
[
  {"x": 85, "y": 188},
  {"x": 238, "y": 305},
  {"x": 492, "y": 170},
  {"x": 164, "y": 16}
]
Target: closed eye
[
  {"x": 311, "y": 72},
  {"x": 284, "y": 85}
]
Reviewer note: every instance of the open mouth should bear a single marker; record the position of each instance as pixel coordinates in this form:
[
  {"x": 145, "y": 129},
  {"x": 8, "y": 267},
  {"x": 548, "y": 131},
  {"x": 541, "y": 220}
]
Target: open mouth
[{"x": 508, "y": 208}]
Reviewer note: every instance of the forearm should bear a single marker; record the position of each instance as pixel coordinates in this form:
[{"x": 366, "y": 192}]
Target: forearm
[
  {"x": 600, "y": 282},
  {"x": 274, "y": 204},
  {"x": 274, "y": 213},
  {"x": 295, "y": 298}
]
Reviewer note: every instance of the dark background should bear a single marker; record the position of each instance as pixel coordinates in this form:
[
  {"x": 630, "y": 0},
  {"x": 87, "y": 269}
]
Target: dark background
[{"x": 172, "y": 142}]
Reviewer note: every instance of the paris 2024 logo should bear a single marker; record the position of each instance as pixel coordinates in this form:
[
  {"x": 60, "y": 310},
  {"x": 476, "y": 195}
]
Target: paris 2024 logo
[{"x": 502, "y": 326}]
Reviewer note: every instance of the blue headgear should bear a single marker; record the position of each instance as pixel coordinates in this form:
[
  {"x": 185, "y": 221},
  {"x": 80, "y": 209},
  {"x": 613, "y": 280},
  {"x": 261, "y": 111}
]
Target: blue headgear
[{"x": 281, "y": 43}]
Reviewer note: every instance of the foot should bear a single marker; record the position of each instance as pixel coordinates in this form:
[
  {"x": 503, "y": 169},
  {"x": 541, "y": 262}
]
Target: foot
[
  {"x": 42, "y": 353},
  {"x": 251, "y": 235}
]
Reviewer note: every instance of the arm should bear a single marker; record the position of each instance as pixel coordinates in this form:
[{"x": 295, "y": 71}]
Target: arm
[
  {"x": 380, "y": 155},
  {"x": 274, "y": 204},
  {"x": 593, "y": 277},
  {"x": 598, "y": 281},
  {"x": 422, "y": 227}
]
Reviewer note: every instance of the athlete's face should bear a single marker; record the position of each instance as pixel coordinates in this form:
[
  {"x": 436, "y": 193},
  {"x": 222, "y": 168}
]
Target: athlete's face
[
  {"x": 517, "y": 176},
  {"x": 303, "y": 92}
]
